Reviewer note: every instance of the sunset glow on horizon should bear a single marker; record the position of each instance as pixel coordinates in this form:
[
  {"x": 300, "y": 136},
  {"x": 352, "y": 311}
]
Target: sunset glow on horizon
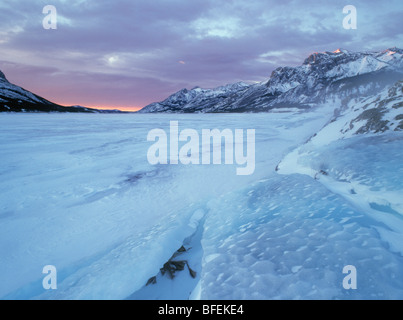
[
  {"x": 99, "y": 106},
  {"x": 115, "y": 108}
]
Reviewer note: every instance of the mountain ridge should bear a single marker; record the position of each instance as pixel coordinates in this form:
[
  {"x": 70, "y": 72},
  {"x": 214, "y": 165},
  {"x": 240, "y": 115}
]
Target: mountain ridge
[
  {"x": 322, "y": 76},
  {"x": 17, "y": 99}
]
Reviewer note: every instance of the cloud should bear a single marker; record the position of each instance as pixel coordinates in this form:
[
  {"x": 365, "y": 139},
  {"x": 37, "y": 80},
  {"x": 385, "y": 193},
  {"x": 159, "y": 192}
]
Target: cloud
[{"x": 134, "y": 52}]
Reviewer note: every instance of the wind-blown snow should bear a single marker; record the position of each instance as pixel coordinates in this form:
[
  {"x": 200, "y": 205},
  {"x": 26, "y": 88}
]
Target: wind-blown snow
[{"x": 77, "y": 192}]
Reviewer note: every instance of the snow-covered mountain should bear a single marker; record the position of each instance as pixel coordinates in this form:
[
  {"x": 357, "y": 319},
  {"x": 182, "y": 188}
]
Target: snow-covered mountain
[
  {"x": 378, "y": 113},
  {"x": 16, "y": 99},
  {"x": 199, "y": 100},
  {"x": 322, "y": 77}
]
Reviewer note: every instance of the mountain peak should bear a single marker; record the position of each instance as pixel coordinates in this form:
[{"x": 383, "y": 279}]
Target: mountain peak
[
  {"x": 394, "y": 50},
  {"x": 2, "y": 76},
  {"x": 340, "y": 50},
  {"x": 325, "y": 57}
]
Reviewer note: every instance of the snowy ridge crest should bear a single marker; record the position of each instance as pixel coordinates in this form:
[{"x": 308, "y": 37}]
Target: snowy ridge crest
[{"x": 196, "y": 99}]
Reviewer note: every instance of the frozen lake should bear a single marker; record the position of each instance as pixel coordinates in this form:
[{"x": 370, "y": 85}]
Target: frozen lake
[{"x": 77, "y": 192}]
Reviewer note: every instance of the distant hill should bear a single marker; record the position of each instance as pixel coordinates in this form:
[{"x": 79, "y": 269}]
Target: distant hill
[{"x": 16, "y": 99}]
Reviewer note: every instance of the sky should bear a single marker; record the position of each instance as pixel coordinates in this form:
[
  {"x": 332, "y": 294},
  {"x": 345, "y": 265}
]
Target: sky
[{"x": 125, "y": 54}]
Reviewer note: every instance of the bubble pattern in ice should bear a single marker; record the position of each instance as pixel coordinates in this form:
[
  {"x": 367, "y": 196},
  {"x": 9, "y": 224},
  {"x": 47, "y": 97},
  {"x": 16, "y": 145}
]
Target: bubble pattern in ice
[{"x": 289, "y": 238}]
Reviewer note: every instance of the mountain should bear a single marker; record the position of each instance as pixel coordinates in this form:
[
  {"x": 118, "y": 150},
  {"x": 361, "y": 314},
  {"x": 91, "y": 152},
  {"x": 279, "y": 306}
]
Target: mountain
[
  {"x": 379, "y": 113},
  {"x": 322, "y": 77},
  {"x": 375, "y": 114},
  {"x": 377, "y": 120},
  {"x": 197, "y": 99},
  {"x": 16, "y": 99}
]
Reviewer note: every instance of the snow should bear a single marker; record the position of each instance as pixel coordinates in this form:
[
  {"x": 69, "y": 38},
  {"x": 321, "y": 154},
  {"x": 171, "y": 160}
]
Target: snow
[
  {"x": 77, "y": 192},
  {"x": 296, "y": 250},
  {"x": 9, "y": 90},
  {"x": 368, "y": 174}
]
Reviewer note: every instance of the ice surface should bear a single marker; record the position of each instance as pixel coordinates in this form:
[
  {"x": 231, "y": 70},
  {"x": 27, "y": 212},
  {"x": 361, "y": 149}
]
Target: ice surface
[
  {"x": 289, "y": 238},
  {"x": 365, "y": 170},
  {"x": 77, "y": 192}
]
